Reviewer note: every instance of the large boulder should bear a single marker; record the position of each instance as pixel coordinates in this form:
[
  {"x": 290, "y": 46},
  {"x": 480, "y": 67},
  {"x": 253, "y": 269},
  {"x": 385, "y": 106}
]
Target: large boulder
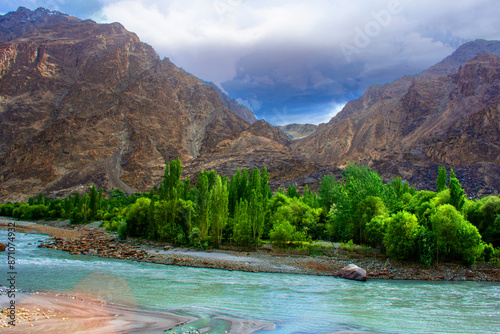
[
  {"x": 2, "y": 247},
  {"x": 353, "y": 272}
]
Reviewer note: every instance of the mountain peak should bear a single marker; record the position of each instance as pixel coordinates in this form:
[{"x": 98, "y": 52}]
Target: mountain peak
[
  {"x": 23, "y": 21},
  {"x": 460, "y": 56},
  {"x": 24, "y": 15}
]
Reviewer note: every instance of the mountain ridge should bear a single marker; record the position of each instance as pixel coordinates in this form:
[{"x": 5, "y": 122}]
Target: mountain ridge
[{"x": 401, "y": 127}]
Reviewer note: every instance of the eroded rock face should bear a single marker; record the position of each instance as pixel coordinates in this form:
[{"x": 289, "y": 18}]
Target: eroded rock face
[
  {"x": 352, "y": 272},
  {"x": 447, "y": 115},
  {"x": 261, "y": 145},
  {"x": 84, "y": 103}
]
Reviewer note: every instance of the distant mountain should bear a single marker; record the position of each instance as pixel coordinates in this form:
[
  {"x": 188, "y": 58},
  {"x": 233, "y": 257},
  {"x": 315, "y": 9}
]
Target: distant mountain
[
  {"x": 298, "y": 131},
  {"x": 85, "y": 103},
  {"x": 262, "y": 145},
  {"x": 447, "y": 115}
]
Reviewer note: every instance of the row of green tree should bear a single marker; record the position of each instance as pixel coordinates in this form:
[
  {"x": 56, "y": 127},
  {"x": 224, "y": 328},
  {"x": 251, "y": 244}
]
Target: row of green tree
[{"x": 426, "y": 226}]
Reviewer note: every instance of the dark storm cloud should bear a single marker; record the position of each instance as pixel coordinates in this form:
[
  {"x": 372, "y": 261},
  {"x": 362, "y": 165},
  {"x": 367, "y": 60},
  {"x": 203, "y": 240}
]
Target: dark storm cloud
[{"x": 291, "y": 60}]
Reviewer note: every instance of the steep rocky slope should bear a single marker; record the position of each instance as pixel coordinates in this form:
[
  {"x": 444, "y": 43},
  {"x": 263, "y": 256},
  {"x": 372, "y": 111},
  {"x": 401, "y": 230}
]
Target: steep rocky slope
[
  {"x": 84, "y": 103},
  {"x": 262, "y": 145},
  {"x": 447, "y": 115},
  {"x": 233, "y": 105}
]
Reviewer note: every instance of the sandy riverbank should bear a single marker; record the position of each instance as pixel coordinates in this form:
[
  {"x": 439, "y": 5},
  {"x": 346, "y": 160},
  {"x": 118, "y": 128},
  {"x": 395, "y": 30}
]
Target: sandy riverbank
[
  {"x": 57, "y": 313},
  {"x": 53, "y": 313}
]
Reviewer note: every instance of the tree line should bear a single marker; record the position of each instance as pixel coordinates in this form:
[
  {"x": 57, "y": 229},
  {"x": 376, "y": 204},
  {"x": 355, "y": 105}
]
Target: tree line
[{"x": 424, "y": 226}]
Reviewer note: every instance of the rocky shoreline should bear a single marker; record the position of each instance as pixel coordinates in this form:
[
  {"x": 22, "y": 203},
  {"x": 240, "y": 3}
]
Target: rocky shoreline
[{"x": 94, "y": 241}]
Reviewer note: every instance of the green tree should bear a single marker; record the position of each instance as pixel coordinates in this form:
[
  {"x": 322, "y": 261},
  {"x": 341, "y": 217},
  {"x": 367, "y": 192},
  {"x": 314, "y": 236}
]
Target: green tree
[
  {"x": 426, "y": 245},
  {"x": 185, "y": 218},
  {"x": 153, "y": 226},
  {"x": 203, "y": 205},
  {"x": 455, "y": 237},
  {"x": 292, "y": 191},
  {"x": 282, "y": 232},
  {"x": 368, "y": 208},
  {"x": 457, "y": 197},
  {"x": 401, "y": 235},
  {"x": 93, "y": 205},
  {"x": 136, "y": 216},
  {"x": 171, "y": 180},
  {"x": 375, "y": 230},
  {"x": 242, "y": 231},
  {"x": 40, "y": 199},
  {"x": 233, "y": 196},
  {"x": 358, "y": 184},
  {"x": 256, "y": 215},
  {"x": 219, "y": 212},
  {"x": 441, "y": 179}
]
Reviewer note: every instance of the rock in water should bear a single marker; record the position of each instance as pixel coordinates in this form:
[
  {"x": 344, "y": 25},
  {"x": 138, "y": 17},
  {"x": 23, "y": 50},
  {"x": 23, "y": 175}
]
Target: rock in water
[
  {"x": 353, "y": 272},
  {"x": 2, "y": 247}
]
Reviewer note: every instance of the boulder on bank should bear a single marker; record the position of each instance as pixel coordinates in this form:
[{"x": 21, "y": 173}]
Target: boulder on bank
[
  {"x": 2, "y": 247},
  {"x": 353, "y": 272}
]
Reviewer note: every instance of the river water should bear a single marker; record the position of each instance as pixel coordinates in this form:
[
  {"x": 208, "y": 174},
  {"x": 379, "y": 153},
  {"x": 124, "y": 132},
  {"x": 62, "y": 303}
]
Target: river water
[{"x": 295, "y": 303}]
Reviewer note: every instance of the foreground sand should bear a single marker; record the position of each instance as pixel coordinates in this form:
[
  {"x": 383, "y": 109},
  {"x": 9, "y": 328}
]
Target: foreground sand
[
  {"x": 52, "y": 313},
  {"x": 55, "y": 313}
]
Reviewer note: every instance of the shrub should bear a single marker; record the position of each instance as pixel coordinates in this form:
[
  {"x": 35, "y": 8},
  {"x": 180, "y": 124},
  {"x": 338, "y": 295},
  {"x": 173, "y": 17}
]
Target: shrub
[
  {"x": 456, "y": 238},
  {"x": 425, "y": 246},
  {"x": 400, "y": 239},
  {"x": 195, "y": 238},
  {"x": 375, "y": 230},
  {"x": 368, "y": 208},
  {"x": 122, "y": 229}
]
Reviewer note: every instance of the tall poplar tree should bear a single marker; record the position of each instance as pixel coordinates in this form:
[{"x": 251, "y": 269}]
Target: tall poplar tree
[
  {"x": 457, "y": 196},
  {"x": 441, "y": 179},
  {"x": 219, "y": 213},
  {"x": 203, "y": 205}
]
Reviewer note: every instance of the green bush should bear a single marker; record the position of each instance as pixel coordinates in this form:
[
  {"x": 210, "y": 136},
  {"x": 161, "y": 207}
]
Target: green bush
[
  {"x": 456, "y": 238},
  {"x": 488, "y": 252},
  {"x": 375, "y": 230},
  {"x": 425, "y": 246},
  {"x": 136, "y": 216},
  {"x": 195, "y": 238},
  {"x": 400, "y": 239},
  {"x": 122, "y": 229},
  {"x": 368, "y": 208},
  {"x": 6, "y": 209}
]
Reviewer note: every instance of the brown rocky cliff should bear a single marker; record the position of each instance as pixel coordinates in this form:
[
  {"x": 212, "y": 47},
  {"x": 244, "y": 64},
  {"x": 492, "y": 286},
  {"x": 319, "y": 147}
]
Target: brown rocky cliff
[
  {"x": 84, "y": 103},
  {"x": 417, "y": 122},
  {"x": 261, "y": 145},
  {"x": 233, "y": 105}
]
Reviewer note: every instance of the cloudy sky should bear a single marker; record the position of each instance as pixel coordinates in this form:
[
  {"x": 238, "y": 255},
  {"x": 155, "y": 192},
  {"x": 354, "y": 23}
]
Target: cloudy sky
[{"x": 290, "y": 60}]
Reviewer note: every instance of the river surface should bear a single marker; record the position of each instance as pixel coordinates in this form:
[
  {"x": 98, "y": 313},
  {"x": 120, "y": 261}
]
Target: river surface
[{"x": 295, "y": 303}]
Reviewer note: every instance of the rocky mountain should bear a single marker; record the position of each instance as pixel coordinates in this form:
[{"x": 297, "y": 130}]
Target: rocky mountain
[
  {"x": 298, "y": 131},
  {"x": 262, "y": 145},
  {"x": 233, "y": 105},
  {"x": 84, "y": 103},
  {"x": 447, "y": 115}
]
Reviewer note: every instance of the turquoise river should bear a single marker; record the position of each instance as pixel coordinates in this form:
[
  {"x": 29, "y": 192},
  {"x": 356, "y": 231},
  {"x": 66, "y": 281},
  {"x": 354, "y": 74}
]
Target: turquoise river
[{"x": 295, "y": 303}]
